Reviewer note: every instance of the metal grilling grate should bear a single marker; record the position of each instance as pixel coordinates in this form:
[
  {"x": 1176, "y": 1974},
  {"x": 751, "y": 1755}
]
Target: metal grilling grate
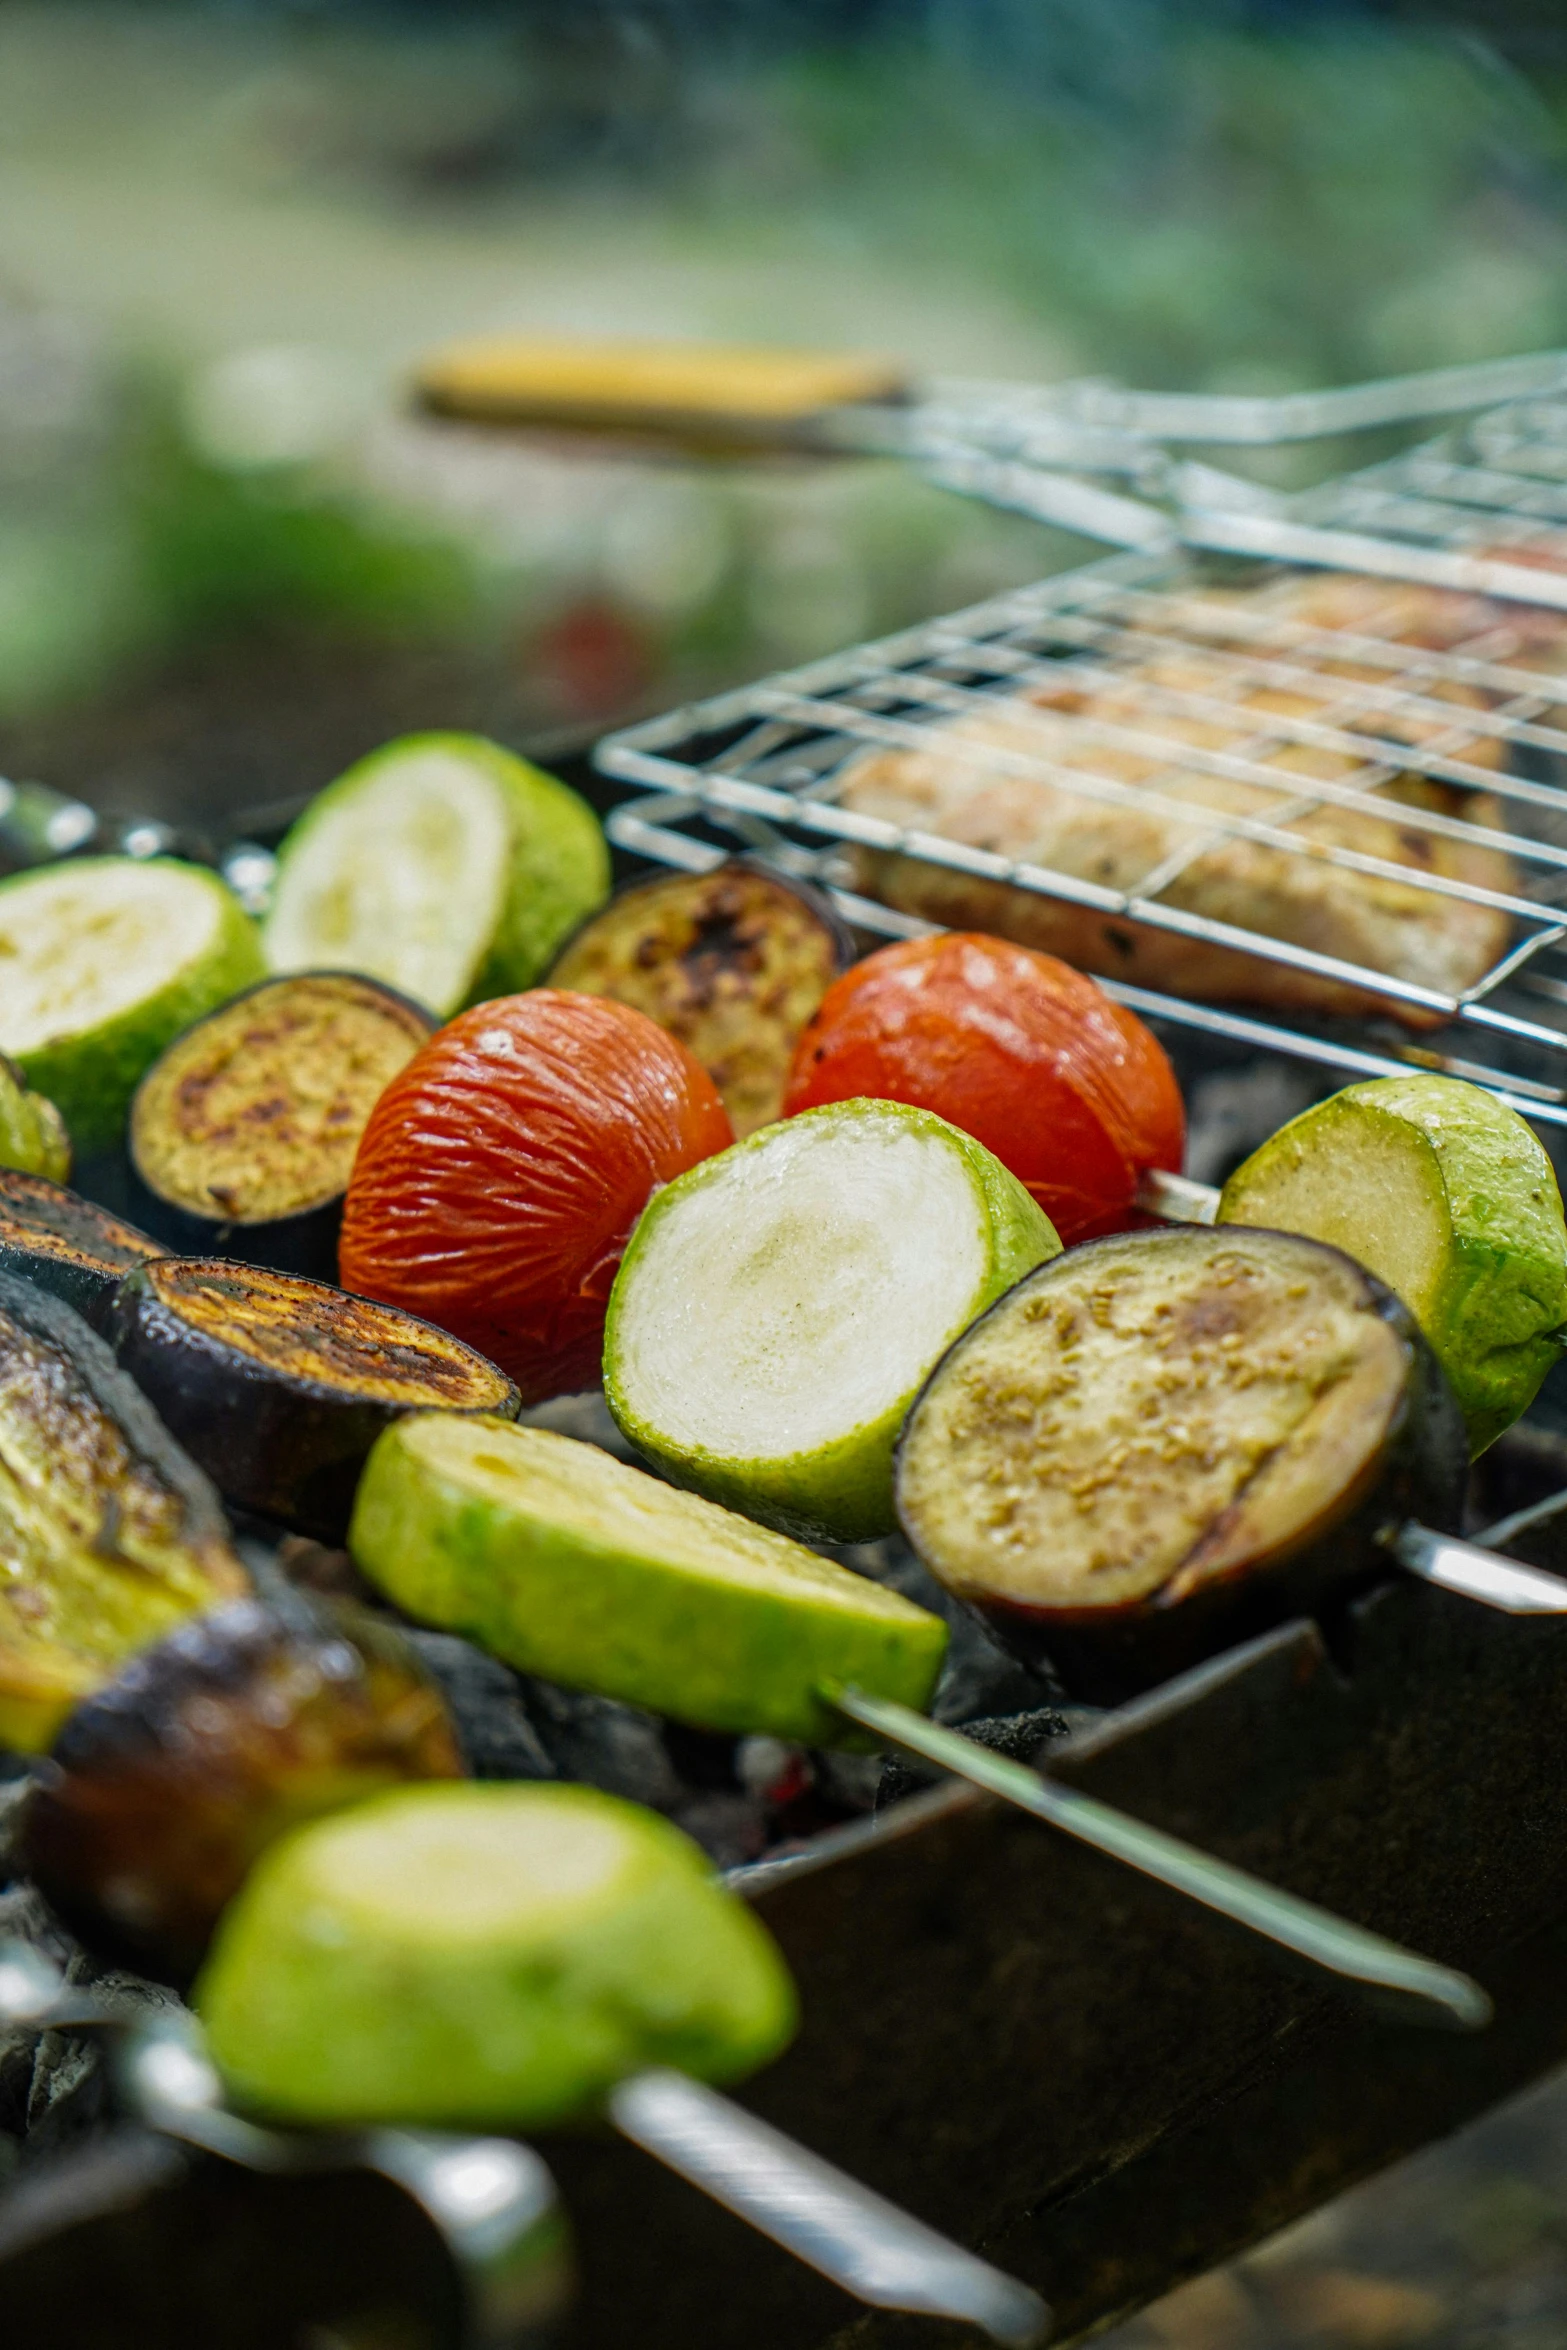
[{"x": 1241, "y": 743}]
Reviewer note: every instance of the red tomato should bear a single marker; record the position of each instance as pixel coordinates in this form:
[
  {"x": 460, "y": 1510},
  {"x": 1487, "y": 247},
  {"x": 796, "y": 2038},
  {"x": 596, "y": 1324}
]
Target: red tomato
[
  {"x": 502, "y": 1170},
  {"x": 1034, "y": 1060}
]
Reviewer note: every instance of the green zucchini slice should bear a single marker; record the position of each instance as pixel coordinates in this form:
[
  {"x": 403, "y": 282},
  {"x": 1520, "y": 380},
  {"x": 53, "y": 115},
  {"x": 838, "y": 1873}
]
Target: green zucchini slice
[
  {"x": 1166, "y": 1441},
  {"x": 162, "y": 1789},
  {"x": 279, "y": 1386},
  {"x": 570, "y": 1564},
  {"x": 498, "y": 1955},
  {"x": 65, "y": 1244},
  {"x": 243, "y": 1132},
  {"x": 109, "y": 1535},
  {"x": 1448, "y": 1196},
  {"x": 733, "y": 962},
  {"x": 442, "y": 865},
  {"x": 102, "y": 961},
  {"x": 779, "y": 1306}
]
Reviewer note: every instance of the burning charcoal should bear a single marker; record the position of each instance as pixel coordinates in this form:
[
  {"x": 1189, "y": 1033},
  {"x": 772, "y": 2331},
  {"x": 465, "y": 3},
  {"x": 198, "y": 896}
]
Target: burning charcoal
[
  {"x": 617, "y": 1747},
  {"x": 485, "y": 1700},
  {"x": 1020, "y": 1737},
  {"x": 732, "y": 1828}
]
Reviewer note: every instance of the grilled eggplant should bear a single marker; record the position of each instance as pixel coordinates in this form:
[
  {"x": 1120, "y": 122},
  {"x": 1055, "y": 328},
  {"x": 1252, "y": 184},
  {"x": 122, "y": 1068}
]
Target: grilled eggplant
[
  {"x": 733, "y": 962},
  {"x": 109, "y": 1535},
  {"x": 243, "y": 1132},
  {"x": 1169, "y": 1440},
  {"x": 279, "y": 1386},
  {"x": 164, "y": 1787},
  {"x": 66, "y": 1244}
]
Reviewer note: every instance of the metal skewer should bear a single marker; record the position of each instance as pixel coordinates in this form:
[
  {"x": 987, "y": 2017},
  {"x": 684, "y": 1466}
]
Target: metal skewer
[
  {"x": 1442, "y": 1559},
  {"x": 494, "y": 2201},
  {"x": 1417, "y": 1989}
]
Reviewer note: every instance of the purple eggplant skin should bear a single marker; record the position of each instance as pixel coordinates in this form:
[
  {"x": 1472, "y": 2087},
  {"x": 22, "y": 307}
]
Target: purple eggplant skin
[
  {"x": 232, "y": 1358},
  {"x": 1418, "y": 1469},
  {"x": 162, "y": 1789},
  {"x": 226, "y": 1099},
  {"x": 65, "y": 1244}
]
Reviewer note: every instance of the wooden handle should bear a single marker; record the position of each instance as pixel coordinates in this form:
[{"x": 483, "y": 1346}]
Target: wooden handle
[{"x": 703, "y": 395}]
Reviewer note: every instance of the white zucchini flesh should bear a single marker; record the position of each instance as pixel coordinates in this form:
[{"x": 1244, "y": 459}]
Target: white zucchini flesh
[
  {"x": 402, "y": 876},
  {"x": 802, "y": 1293},
  {"x": 82, "y": 946}
]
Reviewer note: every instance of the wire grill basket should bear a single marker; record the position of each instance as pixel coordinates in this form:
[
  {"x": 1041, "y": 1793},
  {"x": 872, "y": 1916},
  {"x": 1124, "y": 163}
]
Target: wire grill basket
[{"x": 1386, "y": 748}]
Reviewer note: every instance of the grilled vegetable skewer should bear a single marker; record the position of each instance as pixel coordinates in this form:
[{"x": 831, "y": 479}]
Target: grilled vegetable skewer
[
  {"x": 598, "y": 1575},
  {"x": 519, "y": 1954}
]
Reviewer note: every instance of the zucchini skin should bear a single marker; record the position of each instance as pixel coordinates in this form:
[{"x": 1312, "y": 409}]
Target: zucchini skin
[
  {"x": 66, "y": 1245},
  {"x": 1107, "y": 1654},
  {"x": 276, "y": 1441}
]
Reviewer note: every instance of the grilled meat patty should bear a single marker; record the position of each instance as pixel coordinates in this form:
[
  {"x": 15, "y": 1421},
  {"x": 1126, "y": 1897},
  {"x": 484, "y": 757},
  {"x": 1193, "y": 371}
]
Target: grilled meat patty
[{"x": 1130, "y": 772}]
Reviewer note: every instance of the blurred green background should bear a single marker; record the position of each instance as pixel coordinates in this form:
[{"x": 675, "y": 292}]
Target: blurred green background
[{"x": 229, "y": 561}]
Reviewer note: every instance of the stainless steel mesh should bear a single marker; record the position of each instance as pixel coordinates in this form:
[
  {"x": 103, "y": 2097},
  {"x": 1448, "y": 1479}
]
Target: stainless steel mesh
[{"x": 1251, "y": 711}]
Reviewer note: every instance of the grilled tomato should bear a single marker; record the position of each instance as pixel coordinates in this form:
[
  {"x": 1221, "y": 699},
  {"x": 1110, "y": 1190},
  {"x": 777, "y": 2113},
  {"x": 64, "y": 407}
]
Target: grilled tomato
[
  {"x": 1066, "y": 1088},
  {"x": 502, "y": 1171}
]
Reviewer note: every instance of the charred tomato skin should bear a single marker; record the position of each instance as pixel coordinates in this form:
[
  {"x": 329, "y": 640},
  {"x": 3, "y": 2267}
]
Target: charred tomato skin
[
  {"x": 502, "y": 1173},
  {"x": 162, "y": 1789},
  {"x": 250, "y": 1403},
  {"x": 1104, "y": 1655},
  {"x": 1070, "y": 1090}
]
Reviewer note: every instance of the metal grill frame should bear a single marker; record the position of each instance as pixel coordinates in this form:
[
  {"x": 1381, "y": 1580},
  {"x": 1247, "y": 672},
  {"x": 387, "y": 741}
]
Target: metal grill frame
[{"x": 758, "y": 763}]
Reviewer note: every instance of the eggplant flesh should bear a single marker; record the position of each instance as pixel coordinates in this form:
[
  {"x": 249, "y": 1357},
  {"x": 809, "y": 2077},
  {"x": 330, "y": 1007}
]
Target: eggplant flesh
[
  {"x": 732, "y": 962},
  {"x": 109, "y": 1535},
  {"x": 164, "y": 1787},
  {"x": 65, "y": 1244},
  {"x": 1167, "y": 1441},
  {"x": 279, "y": 1386},
  {"x": 243, "y": 1132}
]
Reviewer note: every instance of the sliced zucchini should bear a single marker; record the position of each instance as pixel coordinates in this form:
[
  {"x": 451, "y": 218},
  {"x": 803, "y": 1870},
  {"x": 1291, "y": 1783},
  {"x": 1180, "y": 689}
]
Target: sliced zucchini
[
  {"x": 1163, "y": 1442},
  {"x": 279, "y": 1386},
  {"x": 779, "y": 1306},
  {"x": 243, "y": 1132},
  {"x": 65, "y": 1244},
  {"x": 102, "y": 961},
  {"x": 1448, "y": 1196},
  {"x": 733, "y": 962},
  {"x": 33, "y": 1139},
  {"x": 108, "y": 1534},
  {"x": 496, "y": 1955},
  {"x": 442, "y": 865},
  {"x": 570, "y": 1564}
]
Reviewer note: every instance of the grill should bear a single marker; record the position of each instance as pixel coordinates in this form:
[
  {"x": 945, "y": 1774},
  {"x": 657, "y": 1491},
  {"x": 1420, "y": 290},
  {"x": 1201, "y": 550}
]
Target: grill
[{"x": 1240, "y": 722}]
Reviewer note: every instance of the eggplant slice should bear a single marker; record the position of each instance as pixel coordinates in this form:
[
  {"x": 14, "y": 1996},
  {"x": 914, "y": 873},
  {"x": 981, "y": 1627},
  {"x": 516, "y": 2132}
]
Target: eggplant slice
[
  {"x": 162, "y": 1789},
  {"x": 279, "y": 1386},
  {"x": 1166, "y": 1441},
  {"x": 243, "y": 1132},
  {"x": 731, "y": 962},
  {"x": 110, "y": 1537},
  {"x": 65, "y": 1244}
]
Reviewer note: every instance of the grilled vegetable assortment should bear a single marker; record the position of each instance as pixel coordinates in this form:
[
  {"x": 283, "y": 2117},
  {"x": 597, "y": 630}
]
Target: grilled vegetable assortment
[
  {"x": 733, "y": 962},
  {"x": 1445, "y": 1193},
  {"x": 779, "y": 1306},
  {"x": 501, "y": 1174},
  {"x": 109, "y": 1534},
  {"x": 243, "y": 1132},
  {"x": 1168, "y": 1440},
  {"x": 101, "y": 963},
  {"x": 440, "y": 864},
  {"x": 570, "y": 1564},
  {"x": 163, "y": 1788},
  {"x": 279, "y": 1386},
  {"x": 69, "y": 1246},
  {"x": 499, "y": 1955},
  {"x": 1069, "y": 1090}
]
